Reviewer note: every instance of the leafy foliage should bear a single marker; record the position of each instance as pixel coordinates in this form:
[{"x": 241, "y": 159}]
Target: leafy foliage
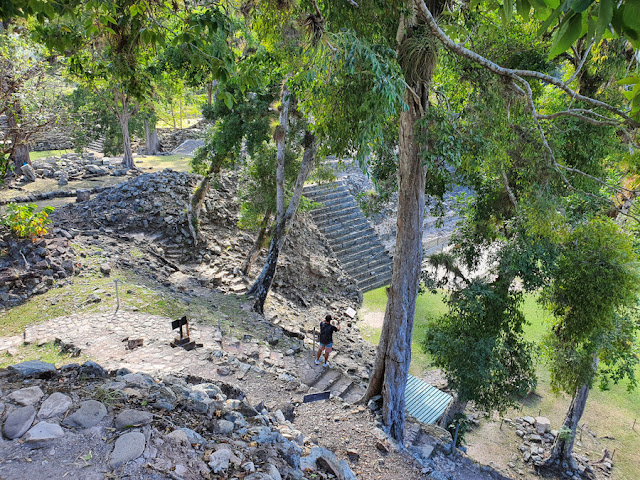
[
  {"x": 25, "y": 222},
  {"x": 592, "y": 297}
]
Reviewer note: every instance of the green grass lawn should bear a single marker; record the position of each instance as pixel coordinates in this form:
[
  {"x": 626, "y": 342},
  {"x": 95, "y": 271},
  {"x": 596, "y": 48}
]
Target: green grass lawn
[
  {"x": 609, "y": 413},
  {"x": 47, "y": 154}
]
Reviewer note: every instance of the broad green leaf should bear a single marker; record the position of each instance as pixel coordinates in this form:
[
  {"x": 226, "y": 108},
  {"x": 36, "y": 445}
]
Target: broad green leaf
[
  {"x": 523, "y": 8},
  {"x": 605, "y": 14},
  {"x": 629, "y": 81},
  {"x": 631, "y": 15},
  {"x": 507, "y": 8},
  {"x": 552, "y": 18},
  {"x": 568, "y": 33},
  {"x": 580, "y": 6},
  {"x": 552, "y": 3}
]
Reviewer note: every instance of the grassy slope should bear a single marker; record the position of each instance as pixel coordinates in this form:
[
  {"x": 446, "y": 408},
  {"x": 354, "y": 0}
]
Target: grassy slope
[{"x": 608, "y": 413}]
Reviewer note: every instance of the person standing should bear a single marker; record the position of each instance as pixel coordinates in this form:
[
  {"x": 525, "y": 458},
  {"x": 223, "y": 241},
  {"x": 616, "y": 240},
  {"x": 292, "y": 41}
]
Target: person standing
[{"x": 326, "y": 339}]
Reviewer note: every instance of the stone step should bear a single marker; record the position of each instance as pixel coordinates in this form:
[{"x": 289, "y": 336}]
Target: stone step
[
  {"x": 361, "y": 243},
  {"x": 341, "y": 220},
  {"x": 375, "y": 283},
  {"x": 372, "y": 253},
  {"x": 373, "y": 266},
  {"x": 317, "y": 191},
  {"x": 355, "y": 250},
  {"x": 342, "y": 385},
  {"x": 354, "y": 394},
  {"x": 364, "y": 275},
  {"x": 339, "y": 242},
  {"x": 338, "y": 230},
  {"x": 329, "y": 377},
  {"x": 339, "y": 193},
  {"x": 337, "y": 210}
]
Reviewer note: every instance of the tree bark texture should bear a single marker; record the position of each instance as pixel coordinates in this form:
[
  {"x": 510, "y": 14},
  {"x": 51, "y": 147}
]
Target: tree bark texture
[
  {"x": 19, "y": 155},
  {"x": 389, "y": 376},
  {"x": 257, "y": 246},
  {"x": 280, "y": 137},
  {"x": 262, "y": 285},
  {"x": 152, "y": 142},
  {"x": 563, "y": 445}
]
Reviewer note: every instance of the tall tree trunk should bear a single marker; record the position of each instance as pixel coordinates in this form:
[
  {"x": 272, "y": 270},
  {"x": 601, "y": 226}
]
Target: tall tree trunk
[
  {"x": 152, "y": 142},
  {"x": 124, "y": 113},
  {"x": 19, "y": 155},
  {"x": 197, "y": 199},
  {"x": 262, "y": 285},
  {"x": 257, "y": 246},
  {"x": 563, "y": 445},
  {"x": 280, "y": 137},
  {"x": 389, "y": 376}
]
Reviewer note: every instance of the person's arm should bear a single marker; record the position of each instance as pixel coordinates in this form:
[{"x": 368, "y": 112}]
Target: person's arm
[{"x": 337, "y": 327}]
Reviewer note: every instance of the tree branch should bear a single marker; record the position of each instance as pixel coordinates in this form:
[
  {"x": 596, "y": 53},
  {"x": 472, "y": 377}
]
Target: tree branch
[{"x": 517, "y": 75}]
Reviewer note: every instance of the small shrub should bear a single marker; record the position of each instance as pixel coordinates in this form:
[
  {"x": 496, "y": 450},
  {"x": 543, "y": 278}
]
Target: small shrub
[{"x": 25, "y": 222}]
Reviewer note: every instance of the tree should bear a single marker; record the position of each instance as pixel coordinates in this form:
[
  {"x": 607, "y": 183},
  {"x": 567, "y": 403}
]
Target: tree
[
  {"x": 593, "y": 298},
  {"x": 30, "y": 98},
  {"x": 112, "y": 45}
]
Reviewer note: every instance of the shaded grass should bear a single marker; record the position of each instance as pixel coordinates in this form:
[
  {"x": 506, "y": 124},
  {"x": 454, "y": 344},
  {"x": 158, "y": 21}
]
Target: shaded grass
[
  {"x": 608, "y": 413},
  {"x": 48, "y": 352},
  {"x": 47, "y": 153}
]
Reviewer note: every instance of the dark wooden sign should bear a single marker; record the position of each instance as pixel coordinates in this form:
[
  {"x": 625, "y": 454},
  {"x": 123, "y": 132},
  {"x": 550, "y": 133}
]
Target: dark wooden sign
[
  {"x": 183, "y": 341},
  {"x": 314, "y": 397}
]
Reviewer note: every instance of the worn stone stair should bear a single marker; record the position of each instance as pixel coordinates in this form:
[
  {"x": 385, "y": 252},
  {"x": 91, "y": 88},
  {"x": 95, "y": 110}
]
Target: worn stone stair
[
  {"x": 350, "y": 235},
  {"x": 338, "y": 382},
  {"x": 96, "y": 146}
]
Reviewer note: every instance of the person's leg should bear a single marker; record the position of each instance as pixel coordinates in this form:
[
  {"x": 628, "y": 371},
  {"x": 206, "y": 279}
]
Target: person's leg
[
  {"x": 319, "y": 353},
  {"x": 327, "y": 351}
]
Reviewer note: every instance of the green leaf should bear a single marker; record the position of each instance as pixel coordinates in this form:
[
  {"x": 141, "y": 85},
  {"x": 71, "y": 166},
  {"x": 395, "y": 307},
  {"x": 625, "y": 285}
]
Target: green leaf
[
  {"x": 629, "y": 81},
  {"x": 523, "y": 8},
  {"x": 570, "y": 31},
  {"x": 507, "y": 9},
  {"x": 552, "y": 18},
  {"x": 631, "y": 15},
  {"x": 605, "y": 14},
  {"x": 580, "y": 6}
]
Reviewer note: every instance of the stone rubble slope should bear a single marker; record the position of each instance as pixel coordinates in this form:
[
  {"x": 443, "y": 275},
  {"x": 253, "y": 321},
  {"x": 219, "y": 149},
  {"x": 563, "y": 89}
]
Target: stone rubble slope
[{"x": 82, "y": 422}]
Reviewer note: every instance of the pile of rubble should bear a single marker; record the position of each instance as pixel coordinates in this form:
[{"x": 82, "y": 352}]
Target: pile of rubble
[
  {"x": 31, "y": 267},
  {"x": 537, "y": 442},
  {"x": 73, "y": 166},
  {"x": 81, "y": 421}
]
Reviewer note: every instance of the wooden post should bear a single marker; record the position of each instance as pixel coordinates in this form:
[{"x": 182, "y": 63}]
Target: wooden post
[{"x": 117, "y": 296}]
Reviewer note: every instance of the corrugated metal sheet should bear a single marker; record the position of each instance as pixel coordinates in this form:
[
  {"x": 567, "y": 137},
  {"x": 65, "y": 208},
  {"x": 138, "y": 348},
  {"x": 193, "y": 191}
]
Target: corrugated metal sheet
[{"x": 424, "y": 402}]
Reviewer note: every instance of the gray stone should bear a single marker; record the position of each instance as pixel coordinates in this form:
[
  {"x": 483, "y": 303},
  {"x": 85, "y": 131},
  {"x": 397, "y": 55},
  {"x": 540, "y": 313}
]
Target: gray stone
[
  {"x": 83, "y": 195},
  {"x": 92, "y": 369},
  {"x": 223, "y": 427},
  {"x": 219, "y": 461},
  {"x": 28, "y": 172},
  {"x": 128, "y": 447},
  {"x": 180, "y": 437},
  {"x": 164, "y": 399},
  {"x": 56, "y": 404},
  {"x": 210, "y": 389},
  {"x": 34, "y": 368},
  {"x": 320, "y": 457},
  {"x": 64, "y": 179},
  {"x": 199, "y": 401},
  {"x": 529, "y": 420},
  {"x": 89, "y": 414},
  {"x": 193, "y": 436},
  {"x": 132, "y": 418},
  {"x": 44, "y": 431},
  {"x": 18, "y": 422},
  {"x": 273, "y": 472},
  {"x": 105, "y": 269},
  {"x": 27, "y": 396},
  {"x": 543, "y": 425},
  {"x": 137, "y": 379},
  {"x": 535, "y": 438}
]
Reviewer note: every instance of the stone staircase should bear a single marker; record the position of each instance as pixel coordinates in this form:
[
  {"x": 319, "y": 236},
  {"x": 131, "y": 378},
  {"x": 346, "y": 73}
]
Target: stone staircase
[
  {"x": 96, "y": 146},
  {"x": 321, "y": 379},
  {"x": 350, "y": 235}
]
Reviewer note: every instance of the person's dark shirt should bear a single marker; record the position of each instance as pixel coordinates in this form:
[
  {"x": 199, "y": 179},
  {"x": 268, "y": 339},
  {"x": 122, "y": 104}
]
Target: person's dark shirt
[{"x": 326, "y": 333}]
